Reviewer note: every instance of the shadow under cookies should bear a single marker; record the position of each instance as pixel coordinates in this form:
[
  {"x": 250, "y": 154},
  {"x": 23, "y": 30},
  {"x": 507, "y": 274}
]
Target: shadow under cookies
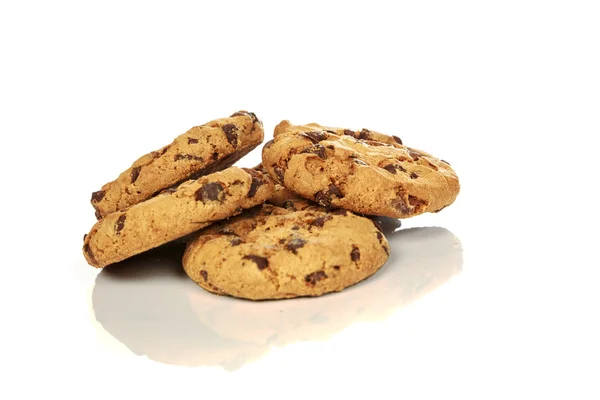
[{"x": 153, "y": 308}]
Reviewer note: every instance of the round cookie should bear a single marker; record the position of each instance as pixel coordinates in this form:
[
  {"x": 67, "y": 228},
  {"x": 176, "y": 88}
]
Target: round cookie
[
  {"x": 175, "y": 213},
  {"x": 202, "y": 150},
  {"x": 366, "y": 172},
  {"x": 273, "y": 253}
]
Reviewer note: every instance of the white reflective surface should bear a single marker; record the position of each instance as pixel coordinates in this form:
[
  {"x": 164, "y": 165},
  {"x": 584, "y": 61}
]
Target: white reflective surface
[{"x": 151, "y": 306}]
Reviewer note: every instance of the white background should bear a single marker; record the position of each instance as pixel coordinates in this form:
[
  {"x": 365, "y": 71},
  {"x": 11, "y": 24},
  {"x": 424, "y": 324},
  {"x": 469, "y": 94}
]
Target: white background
[{"x": 507, "y": 91}]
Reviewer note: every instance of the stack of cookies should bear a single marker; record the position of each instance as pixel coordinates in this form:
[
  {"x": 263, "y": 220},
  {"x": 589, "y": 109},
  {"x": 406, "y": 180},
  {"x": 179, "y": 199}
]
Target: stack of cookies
[{"x": 296, "y": 225}]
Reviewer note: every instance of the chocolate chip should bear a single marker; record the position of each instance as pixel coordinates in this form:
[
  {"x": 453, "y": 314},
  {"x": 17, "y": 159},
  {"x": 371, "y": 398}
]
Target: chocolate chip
[
  {"x": 204, "y": 275},
  {"x": 230, "y": 131},
  {"x": 336, "y": 267},
  {"x": 312, "y": 279},
  {"x": 279, "y": 172},
  {"x": 355, "y": 254},
  {"x": 390, "y": 168},
  {"x": 324, "y": 197},
  {"x": 380, "y": 237},
  {"x": 334, "y": 190},
  {"x": 256, "y": 183},
  {"x": 236, "y": 241},
  {"x": 401, "y": 206},
  {"x": 295, "y": 227},
  {"x": 295, "y": 244},
  {"x": 348, "y": 132},
  {"x": 86, "y": 248},
  {"x": 135, "y": 172},
  {"x": 192, "y": 140},
  {"x": 215, "y": 156},
  {"x": 120, "y": 223},
  {"x": 397, "y": 139},
  {"x": 393, "y": 168},
  {"x": 415, "y": 201},
  {"x": 317, "y": 149},
  {"x": 189, "y": 157},
  {"x": 413, "y": 175},
  {"x": 364, "y": 134},
  {"x": 433, "y": 166},
  {"x": 260, "y": 262},
  {"x": 97, "y": 196},
  {"x": 84, "y": 236},
  {"x": 226, "y": 231},
  {"x": 209, "y": 192},
  {"x": 160, "y": 152},
  {"x": 320, "y": 221},
  {"x": 414, "y": 154},
  {"x": 315, "y": 136},
  {"x": 98, "y": 215},
  {"x": 281, "y": 241},
  {"x": 444, "y": 161},
  {"x": 246, "y": 114}
]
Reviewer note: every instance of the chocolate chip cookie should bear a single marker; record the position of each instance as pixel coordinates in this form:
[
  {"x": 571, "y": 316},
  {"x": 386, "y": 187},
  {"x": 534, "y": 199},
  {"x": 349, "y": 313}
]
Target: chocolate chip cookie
[
  {"x": 270, "y": 252},
  {"x": 175, "y": 213},
  {"x": 202, "y": 150},
  {"x": 365, "y": 171}
]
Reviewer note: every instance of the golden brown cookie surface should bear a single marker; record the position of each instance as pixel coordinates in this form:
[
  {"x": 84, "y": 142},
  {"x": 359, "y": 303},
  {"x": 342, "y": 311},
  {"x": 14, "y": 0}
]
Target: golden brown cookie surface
[
  {"x": 270, "y": 253},
  {"x": 175, "y": 213},
  {"x": 202, "y": 150},
  {"x": 366, "y": 172}
]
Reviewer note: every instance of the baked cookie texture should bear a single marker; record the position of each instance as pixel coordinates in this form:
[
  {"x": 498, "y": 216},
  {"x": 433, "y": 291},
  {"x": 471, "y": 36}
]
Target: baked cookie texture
[
  {"x": 365, "y": 171},
  {"x": 202, "y": 150},
  {"x": 270, "y": 252},
  {"x": 285, "y": 198},
  {"x": 175, "y": 213}
]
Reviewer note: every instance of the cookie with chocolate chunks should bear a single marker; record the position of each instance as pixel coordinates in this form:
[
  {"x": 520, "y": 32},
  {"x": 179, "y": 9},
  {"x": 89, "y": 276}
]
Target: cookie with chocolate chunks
[
  {"x": 202, "y": 150},
  {"x": 175, "y": 213},
  {"x": 363, "y": 171},
  {"x": 270, "y": 252}
]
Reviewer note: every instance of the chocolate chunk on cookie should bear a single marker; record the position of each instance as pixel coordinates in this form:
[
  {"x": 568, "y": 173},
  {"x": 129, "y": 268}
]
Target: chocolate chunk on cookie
[
  {"x": 202, "y": 150},
  {"x": 363, "y": 171},
  {"x": 283, "y": 253},
  {"x": 175, "y": 213}
]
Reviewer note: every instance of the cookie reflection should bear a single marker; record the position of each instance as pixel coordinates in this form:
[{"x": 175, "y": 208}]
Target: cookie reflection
[{"x": 150, "y": 305}]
